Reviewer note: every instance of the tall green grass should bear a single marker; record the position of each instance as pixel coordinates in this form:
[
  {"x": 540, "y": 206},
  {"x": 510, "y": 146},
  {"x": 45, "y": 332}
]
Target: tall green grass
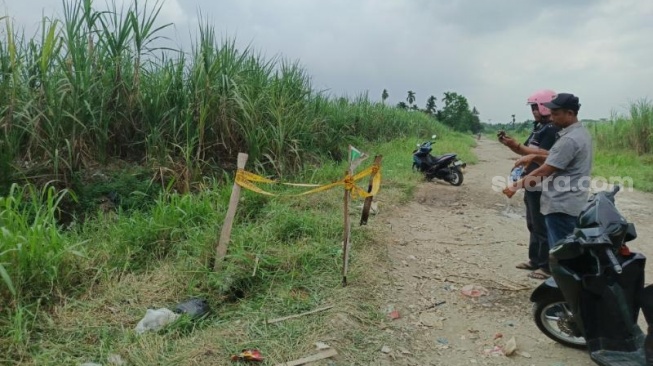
[
  {"x": 633, "y": 133},
  {"x": 96, "y": 86},
  {"x": 31, "y": 245},
  {"x": 624, "y": 146}
]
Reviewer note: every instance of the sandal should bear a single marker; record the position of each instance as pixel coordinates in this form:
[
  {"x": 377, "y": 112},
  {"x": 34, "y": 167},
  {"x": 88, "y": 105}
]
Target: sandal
[
  {"x": 526, "y": 265},
  {"x": 539, "y": 274}
]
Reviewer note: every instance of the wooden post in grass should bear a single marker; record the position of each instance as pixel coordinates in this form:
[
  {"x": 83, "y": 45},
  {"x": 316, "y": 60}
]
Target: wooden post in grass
[
  {"x": 368, "y": 200},
  {"x": 355, "y": 158},
  {"x": 225, "y": 235},
  {"x": 345, "y": 238}
]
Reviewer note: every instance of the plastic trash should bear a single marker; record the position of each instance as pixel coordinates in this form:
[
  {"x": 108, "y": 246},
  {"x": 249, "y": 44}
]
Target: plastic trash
[
  {"x": 195, "y": 308},
  {"x": 155, "y": 320},
  {"x": 116, "y": 360},
  {"x": 474, "y": 291},
  {"x": 248, "y": 355}
]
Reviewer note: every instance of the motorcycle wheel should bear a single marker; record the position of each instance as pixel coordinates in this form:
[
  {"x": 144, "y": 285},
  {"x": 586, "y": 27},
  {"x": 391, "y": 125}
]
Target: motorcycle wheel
[
  {"x": 553, "y": 318},
  {"x": 455, "y": 177}
]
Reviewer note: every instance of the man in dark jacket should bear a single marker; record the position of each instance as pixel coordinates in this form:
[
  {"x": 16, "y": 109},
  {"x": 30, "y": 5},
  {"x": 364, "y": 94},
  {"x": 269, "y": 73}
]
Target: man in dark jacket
[{"x": 542, "y": 137}]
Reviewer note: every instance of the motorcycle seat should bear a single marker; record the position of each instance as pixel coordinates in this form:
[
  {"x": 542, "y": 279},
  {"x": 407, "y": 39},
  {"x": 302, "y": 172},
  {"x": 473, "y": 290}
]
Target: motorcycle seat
[{"x": 442, "y": 157}]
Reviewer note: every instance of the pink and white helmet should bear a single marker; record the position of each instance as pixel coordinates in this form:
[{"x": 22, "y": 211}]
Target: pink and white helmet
[{"x": 542, "y": 96}]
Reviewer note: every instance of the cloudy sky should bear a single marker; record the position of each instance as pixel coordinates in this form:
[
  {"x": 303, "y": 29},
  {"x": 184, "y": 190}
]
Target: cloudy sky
[{"x": 494, "y": 52}]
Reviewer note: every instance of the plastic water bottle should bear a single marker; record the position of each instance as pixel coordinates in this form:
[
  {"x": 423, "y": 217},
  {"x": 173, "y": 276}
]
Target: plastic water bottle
[{"x": 516, "y": 173}]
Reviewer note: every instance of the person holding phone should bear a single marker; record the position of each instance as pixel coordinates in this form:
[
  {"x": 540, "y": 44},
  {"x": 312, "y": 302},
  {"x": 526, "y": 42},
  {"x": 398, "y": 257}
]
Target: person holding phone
[{"x": 541, "y": 139}]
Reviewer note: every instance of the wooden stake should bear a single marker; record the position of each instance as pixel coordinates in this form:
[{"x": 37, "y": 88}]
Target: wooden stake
[
  {"x": 347, "y": 225},
  {"x": 368, "y": 200},
  {"x": 225, "y": 235},
  {"x": 316, "y": 357},
  {"x": 345, "y": 238}
]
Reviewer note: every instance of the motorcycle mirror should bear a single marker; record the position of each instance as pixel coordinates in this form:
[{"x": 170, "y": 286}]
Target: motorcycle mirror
[{"x": 631, "y": 233}]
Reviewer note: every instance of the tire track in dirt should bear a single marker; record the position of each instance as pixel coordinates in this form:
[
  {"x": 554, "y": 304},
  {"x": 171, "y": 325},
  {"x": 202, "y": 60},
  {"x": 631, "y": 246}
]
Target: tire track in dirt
[{"x": 449, "y": 237}]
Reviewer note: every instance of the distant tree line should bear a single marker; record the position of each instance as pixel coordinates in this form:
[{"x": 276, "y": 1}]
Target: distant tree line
[{"x": 456, "y": 112}]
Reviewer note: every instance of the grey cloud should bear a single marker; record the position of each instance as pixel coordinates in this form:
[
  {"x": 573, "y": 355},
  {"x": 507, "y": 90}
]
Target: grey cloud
[{"x": 472, "y": 17}]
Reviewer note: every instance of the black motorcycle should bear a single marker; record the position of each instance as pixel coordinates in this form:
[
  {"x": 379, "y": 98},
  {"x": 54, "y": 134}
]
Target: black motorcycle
[
  {"x": 596, "y": 291},
  {"x": 446, "y": 167}
]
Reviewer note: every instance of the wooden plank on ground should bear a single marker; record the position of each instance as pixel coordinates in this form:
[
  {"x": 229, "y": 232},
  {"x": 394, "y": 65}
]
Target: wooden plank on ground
[{"x": 316, "y": 357}]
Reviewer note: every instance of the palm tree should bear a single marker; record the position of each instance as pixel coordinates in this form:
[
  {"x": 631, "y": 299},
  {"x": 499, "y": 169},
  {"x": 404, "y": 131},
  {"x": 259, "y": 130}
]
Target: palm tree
[
  {"x": 448, "y": 98},
  {"x": 384, "y": 95},
  {"x": 411, "y": 97},
  {"x": 430, "y": 105}
]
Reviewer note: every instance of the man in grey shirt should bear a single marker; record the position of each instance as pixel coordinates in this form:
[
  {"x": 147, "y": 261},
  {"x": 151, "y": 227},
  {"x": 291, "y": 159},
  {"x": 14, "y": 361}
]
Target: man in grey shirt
[{"x": 565, "y": 169}]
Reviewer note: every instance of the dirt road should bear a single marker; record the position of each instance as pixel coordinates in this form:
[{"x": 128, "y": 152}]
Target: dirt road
[{"x": 450, "y": 237}]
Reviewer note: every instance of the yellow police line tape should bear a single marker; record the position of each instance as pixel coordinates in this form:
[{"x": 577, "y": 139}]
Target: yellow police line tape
[{"x": 247, "y": 179}]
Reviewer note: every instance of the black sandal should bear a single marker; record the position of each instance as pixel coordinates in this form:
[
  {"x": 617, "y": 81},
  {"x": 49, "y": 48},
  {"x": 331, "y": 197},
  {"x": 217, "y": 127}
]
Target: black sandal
[
  {"x": 539, "y": 274},
  {"x": 527, "y": 266}
]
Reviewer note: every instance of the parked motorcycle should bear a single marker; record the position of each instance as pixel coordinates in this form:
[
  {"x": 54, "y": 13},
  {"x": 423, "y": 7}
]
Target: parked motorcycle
[
  {"x": 596, "y": 291},
  {"x": 446, "y": 167}
]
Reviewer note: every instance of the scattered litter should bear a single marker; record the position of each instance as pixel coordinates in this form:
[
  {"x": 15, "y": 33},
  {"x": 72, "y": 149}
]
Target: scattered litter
[
  {"x": 412, "y": 257},
  {"x": 474, "y": 291},
  {"x": 386, "y": 349},
  {"x": 443, "y": 340},
  {"x": 195, "y": 308},
  {"x": 321, "y": 346},
  {"x": 248, "y": 355},
  {"x": 523, "y": 354},
  {"x": 299, "y": 315},
  {"x": 496, "y": 351},
  {"x": 392, "y": 312},
  {"x": 511, "y": 347},
  {"x": 90, "y": 364},
  {"x": 155, "y": 320},
  {"x": 116, "y": 359},
  {"x": 316, "y": 357}
]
